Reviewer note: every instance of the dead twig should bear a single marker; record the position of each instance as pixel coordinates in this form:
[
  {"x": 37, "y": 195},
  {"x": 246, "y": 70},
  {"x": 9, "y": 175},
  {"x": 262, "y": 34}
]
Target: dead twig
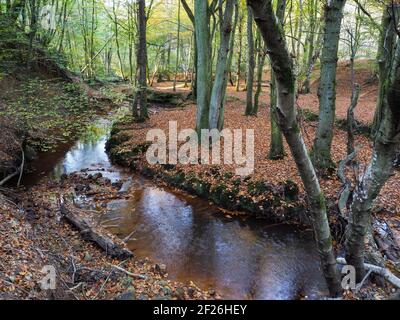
[{"x": 133, "y": 275}]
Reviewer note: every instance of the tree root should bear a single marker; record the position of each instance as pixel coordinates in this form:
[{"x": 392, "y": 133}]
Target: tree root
[{"x": 383, "y": 272}]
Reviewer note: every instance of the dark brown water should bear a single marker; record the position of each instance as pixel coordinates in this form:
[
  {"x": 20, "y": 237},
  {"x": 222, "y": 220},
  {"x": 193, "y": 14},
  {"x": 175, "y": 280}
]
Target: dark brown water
[{"x": 240, "y": 258}]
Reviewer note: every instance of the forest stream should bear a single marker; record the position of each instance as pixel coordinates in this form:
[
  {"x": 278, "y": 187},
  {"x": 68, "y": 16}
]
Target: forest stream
[{"x": 240, "y": 258}]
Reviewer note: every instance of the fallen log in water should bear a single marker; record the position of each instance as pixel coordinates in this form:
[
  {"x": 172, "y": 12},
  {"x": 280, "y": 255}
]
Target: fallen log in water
[{"x": 89, "y": 232}]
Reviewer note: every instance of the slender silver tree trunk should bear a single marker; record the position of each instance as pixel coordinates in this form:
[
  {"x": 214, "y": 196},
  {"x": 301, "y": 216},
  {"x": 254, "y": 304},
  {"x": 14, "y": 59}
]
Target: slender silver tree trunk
[
  {"x": 327, "y": 88},
  {"x": 203, "y": 70},
  {"x": 141, "y": 91},
  {"x": 230, "y": 57},
  {"x": 260, "y": 69},
  {"x": 250, "y": 65},
  {"x": 178, "y": 44},
  {"x": 387, "y": 143},
  {"x": 282, "y": 65},
  {"x": 277, "y": 149},
  {"x": 221, "y": 74},
  {"x": 385, "y": 55}
]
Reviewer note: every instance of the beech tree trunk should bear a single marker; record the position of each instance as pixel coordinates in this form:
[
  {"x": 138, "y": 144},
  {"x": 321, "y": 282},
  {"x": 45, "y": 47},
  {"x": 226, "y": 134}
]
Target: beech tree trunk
[
  {"x": 351, "y": 119},
  {"x": 327, "y": 88},
  {"x": 141, "y": 91},
  {"x": 221, "y": 119},
  {"x": 282, "y": 65},
  {"x": 277, "y": 150},
  {"x": 239, "y": 61},
  {"x": 310, "y": 55},
  {"x": 202, "y": 27},
  {"x": 387, "y": 143},
  {"x": 250, "y": 65},
  {"x": 260, "y": 68},
  {"x": 221, "y": 74},
  {"x": 178, "y": 43},
  {"x": 116, "y": 31},
  {"x": 385, "y": 55},
  {"x": 194, "y": 73}
]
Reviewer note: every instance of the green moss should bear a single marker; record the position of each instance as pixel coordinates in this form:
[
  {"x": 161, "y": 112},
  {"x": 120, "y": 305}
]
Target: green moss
[
  {"x": 247, "y": 204},
  {"x": 228, "y": 175},
  {"x": 202, "y": 189},
  {"x": 147, "y": 171},
  {"x": 320, "y": 201},
  {"x": 217, "y": 192},
  {"x": 256, "y": 188},
  {"x": 237, "y": 182}
]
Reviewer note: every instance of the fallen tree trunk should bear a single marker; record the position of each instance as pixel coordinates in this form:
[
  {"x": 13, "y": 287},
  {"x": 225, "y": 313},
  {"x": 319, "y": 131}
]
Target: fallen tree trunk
[
  {"x": 88, "y": 232},
  {"x": 383, "y": 272}
]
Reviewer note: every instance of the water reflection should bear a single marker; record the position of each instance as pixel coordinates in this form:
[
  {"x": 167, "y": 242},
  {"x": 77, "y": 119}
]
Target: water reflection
[
  {"x": 88, "y": 153},
  {"x": 241, "y": 259}
]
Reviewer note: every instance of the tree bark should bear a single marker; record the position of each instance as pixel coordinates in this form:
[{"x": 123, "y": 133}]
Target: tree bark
[
  {"x": 141, "y": 91},
  {"x": 327, "y": 88},
  {"x": 178, "y": 43},
  {"x": 116, "y": 32},
  {"x": 194, "y": 74},
  {"x": 310, "y": 55},
  {"x": 277, "y": 150},
  {"x": 221, "y": 119},
  {"x": 385, "y": 55},
  {"x": 260, "y": 68},
  {"x": 282, "y": 65},
  {"x": 350, "y": 118},
  {"x": 220, "y": 82},
  {"x": 250, "y": 65},
  {"x": 239, "y": 61},
  {"x": 387, "y": 143},
  {"x": 204, "y": 76}
]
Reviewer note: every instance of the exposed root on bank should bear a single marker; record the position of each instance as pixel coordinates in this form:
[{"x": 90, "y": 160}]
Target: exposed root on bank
[{"x": 383, "y": 272}]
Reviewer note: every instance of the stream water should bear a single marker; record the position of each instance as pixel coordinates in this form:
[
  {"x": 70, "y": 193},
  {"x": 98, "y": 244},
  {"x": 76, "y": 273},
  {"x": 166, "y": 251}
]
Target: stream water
[{"x": 239, "y": 258}]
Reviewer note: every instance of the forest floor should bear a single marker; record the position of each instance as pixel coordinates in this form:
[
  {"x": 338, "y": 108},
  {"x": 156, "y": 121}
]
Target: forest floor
[{"x": 364, "y": 75}]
